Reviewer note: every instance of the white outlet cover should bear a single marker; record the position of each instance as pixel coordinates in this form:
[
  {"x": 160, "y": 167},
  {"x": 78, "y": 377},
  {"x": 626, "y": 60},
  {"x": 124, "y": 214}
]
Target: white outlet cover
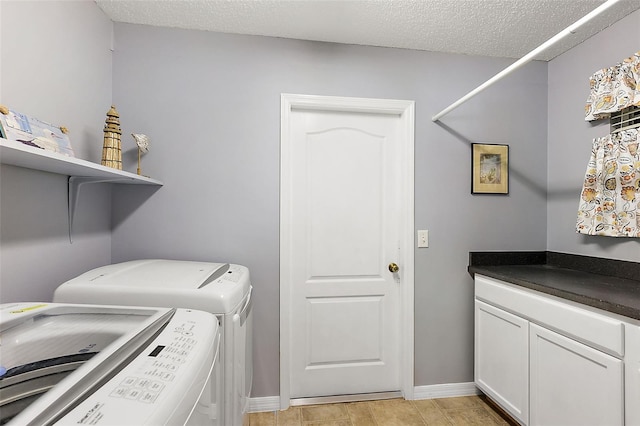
[{"x": 423, "y": 238}]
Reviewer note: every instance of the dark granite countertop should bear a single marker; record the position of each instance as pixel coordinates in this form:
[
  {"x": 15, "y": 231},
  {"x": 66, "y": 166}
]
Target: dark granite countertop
[{"x": 611, "y": 285}]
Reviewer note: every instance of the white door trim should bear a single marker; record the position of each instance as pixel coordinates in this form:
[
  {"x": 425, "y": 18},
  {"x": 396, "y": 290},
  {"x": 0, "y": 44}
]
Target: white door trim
[{"x": 406, "y": 111}]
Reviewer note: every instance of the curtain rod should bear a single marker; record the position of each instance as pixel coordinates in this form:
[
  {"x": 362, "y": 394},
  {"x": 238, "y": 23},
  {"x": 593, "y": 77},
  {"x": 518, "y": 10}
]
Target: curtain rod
[{"x": 527, "y": 58}]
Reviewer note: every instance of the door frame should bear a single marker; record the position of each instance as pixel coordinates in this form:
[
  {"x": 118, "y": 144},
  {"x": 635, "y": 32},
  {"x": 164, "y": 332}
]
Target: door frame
[{"x": 406, "y": 111}]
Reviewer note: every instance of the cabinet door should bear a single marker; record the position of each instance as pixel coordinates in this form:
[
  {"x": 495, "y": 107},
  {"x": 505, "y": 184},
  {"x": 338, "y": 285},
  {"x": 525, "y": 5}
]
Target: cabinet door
[
  {"x": 573, "y": 384},
  {"x": 502, "y": 359}
]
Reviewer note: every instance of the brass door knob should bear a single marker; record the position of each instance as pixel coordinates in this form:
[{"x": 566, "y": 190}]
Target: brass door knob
[{"x": 393, "y": 267}]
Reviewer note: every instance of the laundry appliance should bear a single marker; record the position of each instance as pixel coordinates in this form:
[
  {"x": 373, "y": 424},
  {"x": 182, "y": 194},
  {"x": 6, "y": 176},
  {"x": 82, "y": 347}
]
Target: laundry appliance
[
  {"x": 69, "y": 364},
  {"x": 221, "y": 289}
]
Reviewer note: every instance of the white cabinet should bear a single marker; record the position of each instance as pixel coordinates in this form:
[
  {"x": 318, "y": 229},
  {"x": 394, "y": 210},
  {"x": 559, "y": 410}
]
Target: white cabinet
[
  {"x": 546, "y": 361},
  {"x": 572, "y": 383},
  {"x": 502, "y": 358}
]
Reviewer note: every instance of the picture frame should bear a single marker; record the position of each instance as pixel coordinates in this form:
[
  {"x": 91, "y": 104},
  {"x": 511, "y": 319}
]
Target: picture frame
[{"x": 489, "y": 168}]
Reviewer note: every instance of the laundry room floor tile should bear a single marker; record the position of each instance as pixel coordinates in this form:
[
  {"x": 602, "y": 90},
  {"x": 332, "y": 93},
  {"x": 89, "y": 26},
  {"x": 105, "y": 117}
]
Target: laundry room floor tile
[
  {"x": 394, "y": 412},
  {"x": 431, "y": 413},
  {"x": 360, "y": 414},
  {"x": 267, "y": 418},
  {"x": 290, "y": 417},
  {"x": 324, "y": 412},
  {"x": 456, "y": 411},
  {"x": 458, "y": 403},
  {"x": 473, "y": 416}
]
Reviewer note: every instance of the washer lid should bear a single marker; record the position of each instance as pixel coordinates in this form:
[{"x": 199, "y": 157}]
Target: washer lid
[
  {"x": 44, "y": 367},
  {"x": 156, "y": 273},
  {"x": 213, "y": 287},
  {"x": 39, "y": 335}
]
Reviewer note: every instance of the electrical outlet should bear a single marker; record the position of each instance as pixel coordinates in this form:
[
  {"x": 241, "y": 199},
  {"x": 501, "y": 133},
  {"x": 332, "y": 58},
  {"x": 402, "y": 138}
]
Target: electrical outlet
[{"x": 423, "y": 238}]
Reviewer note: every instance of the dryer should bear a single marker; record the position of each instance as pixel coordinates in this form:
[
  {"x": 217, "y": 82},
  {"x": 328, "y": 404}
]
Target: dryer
[
  {"x": 221, "y": 289},
  {"x": 69, "y": 364}
]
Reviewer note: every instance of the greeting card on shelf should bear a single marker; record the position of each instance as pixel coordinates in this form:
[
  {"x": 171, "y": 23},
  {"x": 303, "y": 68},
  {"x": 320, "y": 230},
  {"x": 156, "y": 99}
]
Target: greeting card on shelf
[{"x": 34, "y": 132}]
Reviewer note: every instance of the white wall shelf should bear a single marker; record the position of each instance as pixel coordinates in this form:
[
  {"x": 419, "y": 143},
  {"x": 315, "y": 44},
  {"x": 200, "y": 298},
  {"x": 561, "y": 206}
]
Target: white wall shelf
[
  {"x": 21, "y": 155},
  {"x": 80, "y": 172}
]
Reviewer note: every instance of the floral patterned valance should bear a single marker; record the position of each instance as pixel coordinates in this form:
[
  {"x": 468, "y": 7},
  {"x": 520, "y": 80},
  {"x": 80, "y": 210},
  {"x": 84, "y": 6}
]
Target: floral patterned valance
[
  {"x": 610, "y": 199},
  {"x": 614, "y": 88}
]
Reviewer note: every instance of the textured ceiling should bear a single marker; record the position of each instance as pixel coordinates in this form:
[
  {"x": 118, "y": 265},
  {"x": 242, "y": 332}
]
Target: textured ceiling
[{"x": 500, "y": 28}]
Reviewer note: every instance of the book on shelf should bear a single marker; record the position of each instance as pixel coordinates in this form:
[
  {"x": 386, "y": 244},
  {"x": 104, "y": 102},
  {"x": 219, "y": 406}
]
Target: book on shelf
[{"x": 34, "y": 132}]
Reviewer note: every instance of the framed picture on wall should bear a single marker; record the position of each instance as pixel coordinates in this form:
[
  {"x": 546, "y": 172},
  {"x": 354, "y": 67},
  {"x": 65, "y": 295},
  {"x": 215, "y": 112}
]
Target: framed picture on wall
[{"x": 489, "y": 169}]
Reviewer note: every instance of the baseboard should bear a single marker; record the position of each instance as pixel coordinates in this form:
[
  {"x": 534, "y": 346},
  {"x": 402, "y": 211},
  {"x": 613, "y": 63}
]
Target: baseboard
[
  {"x": 446, "y": 390},
  {"x": 266, "y": 403}
]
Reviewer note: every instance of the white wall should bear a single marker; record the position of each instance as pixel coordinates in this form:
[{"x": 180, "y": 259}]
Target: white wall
[
  {"x": 570, "y": 138},
  {"x": 55, "y": 64},
  {"x": 211, "y": 104}
]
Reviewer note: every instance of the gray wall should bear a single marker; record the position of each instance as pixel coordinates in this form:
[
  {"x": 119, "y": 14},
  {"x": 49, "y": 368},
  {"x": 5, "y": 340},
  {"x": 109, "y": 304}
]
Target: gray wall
[
  {"x": 570, "y": 138},
  {"x": 55, "y": 65},
  {"x": 211, "y": 104}
]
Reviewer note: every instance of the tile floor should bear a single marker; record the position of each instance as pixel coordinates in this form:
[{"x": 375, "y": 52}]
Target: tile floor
[{"x": 468, "y": 410}]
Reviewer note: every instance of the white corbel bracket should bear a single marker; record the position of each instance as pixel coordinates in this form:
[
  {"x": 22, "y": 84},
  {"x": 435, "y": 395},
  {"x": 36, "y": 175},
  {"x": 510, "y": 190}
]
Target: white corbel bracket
[{"x": 75, "y": 182}]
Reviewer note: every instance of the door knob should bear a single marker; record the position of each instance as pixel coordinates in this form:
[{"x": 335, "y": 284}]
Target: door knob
[{"x": 393, "y": 267}]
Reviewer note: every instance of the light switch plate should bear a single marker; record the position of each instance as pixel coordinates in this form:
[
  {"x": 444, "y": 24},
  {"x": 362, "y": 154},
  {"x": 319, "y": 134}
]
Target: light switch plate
[{"x": 423, "y": 238}]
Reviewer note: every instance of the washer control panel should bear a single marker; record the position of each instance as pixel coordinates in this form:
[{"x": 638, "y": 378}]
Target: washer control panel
[{"x": 175, "y": 364}]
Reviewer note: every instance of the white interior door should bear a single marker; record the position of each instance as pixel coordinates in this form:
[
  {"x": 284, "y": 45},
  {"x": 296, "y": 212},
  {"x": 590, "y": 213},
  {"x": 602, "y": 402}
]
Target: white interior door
[{"x": 343, "y": 223}]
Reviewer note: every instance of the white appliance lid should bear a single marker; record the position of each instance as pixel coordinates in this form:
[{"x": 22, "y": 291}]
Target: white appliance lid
[
  {"x": 61, "y": 332},
  {"x": 212, "y": 287},
  {"x": 41, "y": 340},
  {"x": 154, "y": 273}
]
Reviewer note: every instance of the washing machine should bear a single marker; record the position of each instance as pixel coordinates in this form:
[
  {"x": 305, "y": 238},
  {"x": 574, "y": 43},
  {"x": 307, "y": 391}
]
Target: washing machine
[
  {"x": 69, "y": 364},
  {"x": 221, "y": 289}
]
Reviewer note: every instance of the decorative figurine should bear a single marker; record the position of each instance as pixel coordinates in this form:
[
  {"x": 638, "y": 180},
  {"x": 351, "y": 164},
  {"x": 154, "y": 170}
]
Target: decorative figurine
[
  {"x": 112, "y": 148},
  {"x": 143, "y": 146}
]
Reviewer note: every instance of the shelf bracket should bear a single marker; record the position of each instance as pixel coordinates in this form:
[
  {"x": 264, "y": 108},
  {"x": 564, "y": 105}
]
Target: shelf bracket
[{"x": 75, "y": 183}]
